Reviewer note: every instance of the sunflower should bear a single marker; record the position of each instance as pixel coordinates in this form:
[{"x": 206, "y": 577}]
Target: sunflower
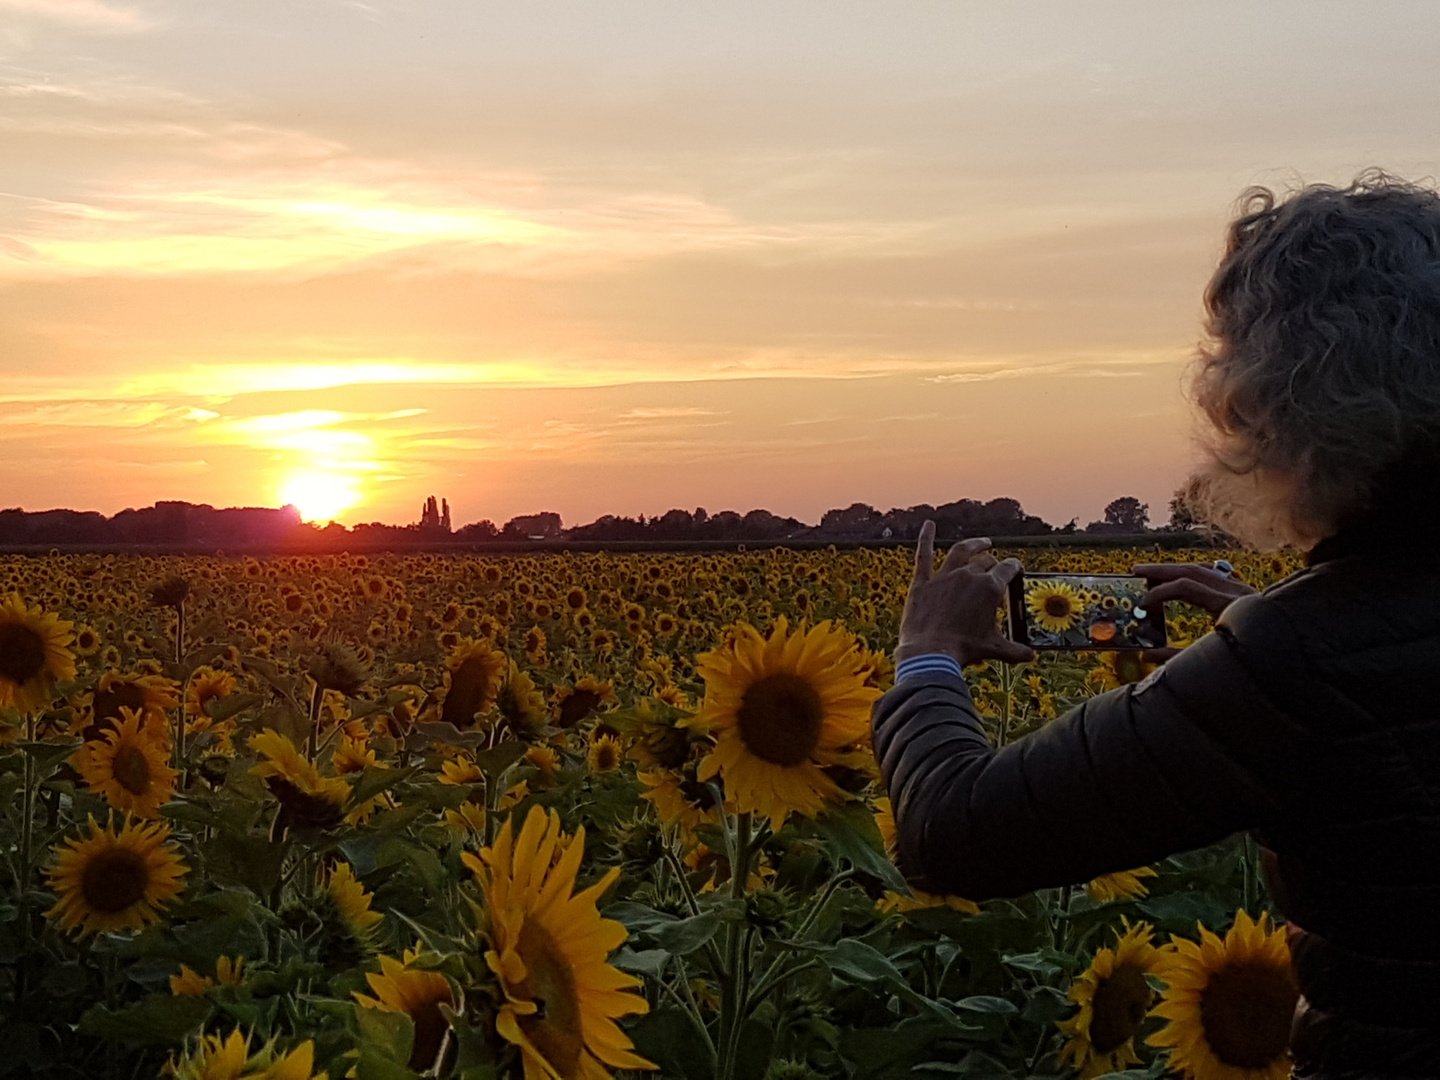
[
  {"x": 35, "y": 654},
  {"x": 1229, "y": 1003},
  {"x": 87, "y": 641},
  {"x": 207, "y": 685},
  {"x": 656, "y": 736},
  {"x": 307, "y": 799},
  {"x": 575, "y": 703},
  {"x": 352, "y": 904},
  {"x": 678, "y": 797},
  {"x": 521, "y": 706},
  {"x": 1056, "y": 606},
  {"x": 781, "y": 709},
  {"x": 418, "y": 994},
  {"x": 1114, "y": 996},
  {"x": 549, "y": 949},
  {"x": 472, "y": 680},
  {"x": 191, "y": 983},
  {"x": 1120, "y": 669},
  {"x": 112, "y": 881},
  {"x": 150, "y": 695},
  {"x": 1124, "y": 885},
  {"x": 919, "y": 900},
  {"x": 215, "y": 1058},
  {"x": 605, "y": 754},
  {"x": 127, "y": 767}
]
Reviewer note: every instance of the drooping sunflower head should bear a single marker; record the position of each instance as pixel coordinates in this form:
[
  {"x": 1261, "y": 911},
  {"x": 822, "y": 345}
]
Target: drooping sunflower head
[
  {"x": 549, "y": 948},
  {"x": 401, "y": 987},
  {"x": 128, "y": 767},
  {"x": 783, "y": 708},
  {"x": 307, "y": 799},
  {"x": 35, "y": 654},
  {"x": 522, "y": 707},
  {"x": 1229, "y": 1003},
  {"x": 1056, "y": 606},
  {"x": 1114, "y": 997},
  {"x": 111, "y": 881},
  {"x": 1121, "y": 668},
  {"x": 1122, "y": 885},
  {"x": 351, "y": 904},
  {"x": 473, "y": 672},
  {"x": 207, "y": 684},
  {"x": 150, "y": 695},
  {"x": 574, "y": 703}
]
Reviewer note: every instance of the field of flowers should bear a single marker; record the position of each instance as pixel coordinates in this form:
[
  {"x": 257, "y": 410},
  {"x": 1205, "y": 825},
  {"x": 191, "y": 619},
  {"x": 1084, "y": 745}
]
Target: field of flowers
[{"x": 570, "y": 815}]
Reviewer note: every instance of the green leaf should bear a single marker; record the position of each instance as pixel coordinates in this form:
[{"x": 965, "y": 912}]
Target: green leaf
[
  {"x": 984, "y": 1003},
  {"x": 859, "y": 962},
  {"x": 231, "y": 705},
  {"x": 850, "y": 833},
  {"x": 684, "y": 936},
  {"x": 644, "y": 962},
  {"x": 667, "y": 1036},
  {"x": 385, "y": 1033},
  {"x": 498, "y": 758},
  {"x": 373, "y": 781},
  {"x": 159, "y": 1020},
  {"x": 638, "y": 918},
  {"x": 50, "y": 753},
  {"x": 447, "y": 733}
]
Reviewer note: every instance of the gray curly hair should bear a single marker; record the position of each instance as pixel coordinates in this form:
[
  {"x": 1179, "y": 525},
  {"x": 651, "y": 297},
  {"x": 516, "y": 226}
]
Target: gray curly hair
[{"x": 1322, "y": 369}]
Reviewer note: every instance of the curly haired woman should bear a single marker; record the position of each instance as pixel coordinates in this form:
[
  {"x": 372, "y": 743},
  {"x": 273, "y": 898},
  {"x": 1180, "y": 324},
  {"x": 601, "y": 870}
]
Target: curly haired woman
[{"x": 1308, "y": 715}]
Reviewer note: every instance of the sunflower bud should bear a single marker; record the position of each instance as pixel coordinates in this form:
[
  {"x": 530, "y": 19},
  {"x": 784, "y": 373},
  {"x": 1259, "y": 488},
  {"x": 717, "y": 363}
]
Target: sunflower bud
[
  {"x": 337, "y": 667},
  {"x": 170, "y": 593}
]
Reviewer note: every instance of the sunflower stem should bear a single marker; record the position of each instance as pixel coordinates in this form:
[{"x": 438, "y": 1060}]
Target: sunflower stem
[
  {"x": 733, "y": 1002},
  {"x": 27, "y": 823},
  {"x": 317, "y": 699}
]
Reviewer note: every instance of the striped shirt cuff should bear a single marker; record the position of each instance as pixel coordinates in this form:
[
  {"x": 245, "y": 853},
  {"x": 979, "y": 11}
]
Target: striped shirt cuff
[{"x": 934, "y": 663}]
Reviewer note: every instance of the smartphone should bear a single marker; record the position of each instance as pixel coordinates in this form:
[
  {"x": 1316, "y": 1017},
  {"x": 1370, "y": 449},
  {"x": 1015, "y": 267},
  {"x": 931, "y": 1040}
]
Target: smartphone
[{"x": 1083, "y": 611}]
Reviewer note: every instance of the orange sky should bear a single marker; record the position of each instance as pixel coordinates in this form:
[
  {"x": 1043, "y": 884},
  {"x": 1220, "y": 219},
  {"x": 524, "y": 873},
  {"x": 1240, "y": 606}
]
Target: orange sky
[{"x": 630, "y": 256}]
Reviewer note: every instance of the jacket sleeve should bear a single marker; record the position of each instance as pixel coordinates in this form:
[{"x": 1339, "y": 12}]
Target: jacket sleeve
[{"x": 1182, "y": 759}]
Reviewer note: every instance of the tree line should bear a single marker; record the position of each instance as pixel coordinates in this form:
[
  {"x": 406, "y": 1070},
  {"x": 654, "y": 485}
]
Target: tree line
[{"x": 200, "y": 525}]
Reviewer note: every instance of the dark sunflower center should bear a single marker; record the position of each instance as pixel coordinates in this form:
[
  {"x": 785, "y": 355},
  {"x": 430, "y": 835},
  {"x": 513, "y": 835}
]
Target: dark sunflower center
[
  {"x": 607, "y": 757},
  {"x": 577, "y": 707},
  {"x": 781, "y": 716},
  {"x": 1246, "y": 1010},
  {"x": 1057, "y": 606},
  {"x": 1120, "y": 1004},
  {"x": 113, "y": 880},
  {"x": 109, "y": 702},
  {"x": 131, "y": 769},
  {"x": 472, "y": 689},
  {"x": 555, "y": 1027},
  {"x": 22, "y": 653},
  {"x": 430, "y": 1028}
]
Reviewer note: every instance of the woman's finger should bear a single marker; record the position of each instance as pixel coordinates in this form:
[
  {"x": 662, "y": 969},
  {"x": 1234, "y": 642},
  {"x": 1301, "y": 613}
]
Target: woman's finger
[
  {"x": 1191, "y": 592},
  {"x": 963, "y": 551},
  {"x": 1203, "y": 572},
  {"x": 925, "y": 553}
]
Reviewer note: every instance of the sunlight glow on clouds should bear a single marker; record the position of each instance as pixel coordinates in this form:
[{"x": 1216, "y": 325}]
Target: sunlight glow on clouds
[{"x": 730, "y": 255}]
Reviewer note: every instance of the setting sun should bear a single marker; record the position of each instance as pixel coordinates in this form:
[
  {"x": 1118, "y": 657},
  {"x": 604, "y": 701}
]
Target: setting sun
[{"x": 319, "y": 496}]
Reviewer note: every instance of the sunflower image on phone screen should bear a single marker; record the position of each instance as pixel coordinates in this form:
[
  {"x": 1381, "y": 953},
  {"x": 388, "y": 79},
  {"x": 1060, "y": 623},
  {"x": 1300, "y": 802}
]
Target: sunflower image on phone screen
[{"x": 1083, "y": 611}]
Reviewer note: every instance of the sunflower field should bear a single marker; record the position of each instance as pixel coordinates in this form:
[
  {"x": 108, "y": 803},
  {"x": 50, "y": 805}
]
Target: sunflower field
[{"x": 554, "y": 816}]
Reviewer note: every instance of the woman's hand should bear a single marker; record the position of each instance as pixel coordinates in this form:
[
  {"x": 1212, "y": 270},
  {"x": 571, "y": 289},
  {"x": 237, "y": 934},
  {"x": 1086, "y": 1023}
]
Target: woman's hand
[
  {"x": 952, "y": 610},
  {"x": 1194, "y": 583}
]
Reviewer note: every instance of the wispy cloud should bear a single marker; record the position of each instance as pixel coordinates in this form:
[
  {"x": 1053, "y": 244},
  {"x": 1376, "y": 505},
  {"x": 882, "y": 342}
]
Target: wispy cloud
[{"x": 84, "y": 14}]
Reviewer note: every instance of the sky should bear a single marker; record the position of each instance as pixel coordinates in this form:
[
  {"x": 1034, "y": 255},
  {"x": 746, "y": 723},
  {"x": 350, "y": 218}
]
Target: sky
[{"x": 628, "y": 256}]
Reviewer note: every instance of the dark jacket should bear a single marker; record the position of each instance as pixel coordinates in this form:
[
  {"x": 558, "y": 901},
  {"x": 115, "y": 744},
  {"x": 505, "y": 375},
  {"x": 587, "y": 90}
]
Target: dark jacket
[{"x": 1311, "y": 715}]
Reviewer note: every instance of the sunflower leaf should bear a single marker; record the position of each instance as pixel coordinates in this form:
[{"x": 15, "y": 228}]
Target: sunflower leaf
[
  {"x": 684, "y": 936},
  {"x": 850, "y": 833},
  {"x": 159, "y": 1020}
]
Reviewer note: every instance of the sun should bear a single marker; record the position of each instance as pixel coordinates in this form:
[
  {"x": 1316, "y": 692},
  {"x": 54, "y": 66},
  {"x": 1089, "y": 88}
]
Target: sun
[{"x": 319, "y": 496}]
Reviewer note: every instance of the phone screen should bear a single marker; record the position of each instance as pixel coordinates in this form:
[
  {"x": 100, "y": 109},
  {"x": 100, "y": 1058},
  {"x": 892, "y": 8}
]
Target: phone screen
[{"x": 1084, "y": 611}]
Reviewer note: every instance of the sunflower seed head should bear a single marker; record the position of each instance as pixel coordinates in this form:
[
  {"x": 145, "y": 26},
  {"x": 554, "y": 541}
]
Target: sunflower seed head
[{"x": 170, "y": 593}]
